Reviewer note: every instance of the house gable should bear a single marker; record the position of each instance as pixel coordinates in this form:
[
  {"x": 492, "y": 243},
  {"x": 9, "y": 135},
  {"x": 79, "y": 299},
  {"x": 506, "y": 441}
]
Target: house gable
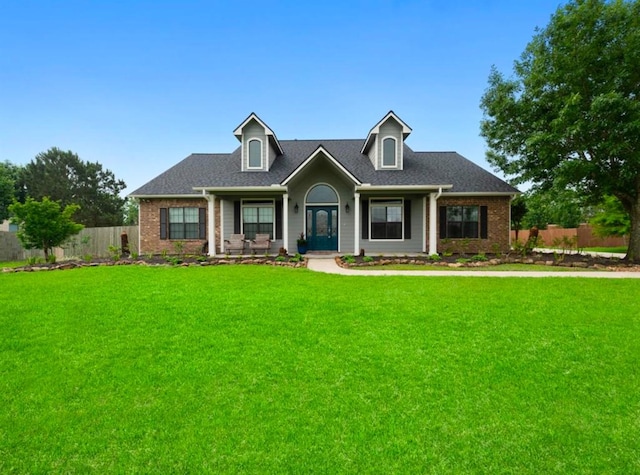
[
  {"x": 259, "y": 145},
  {"x": 385, "y": 143}
]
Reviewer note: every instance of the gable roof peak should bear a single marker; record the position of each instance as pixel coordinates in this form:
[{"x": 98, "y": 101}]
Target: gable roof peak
[
  {"x": 375, "y": 130},
  {"x": 267, "y": 130}
]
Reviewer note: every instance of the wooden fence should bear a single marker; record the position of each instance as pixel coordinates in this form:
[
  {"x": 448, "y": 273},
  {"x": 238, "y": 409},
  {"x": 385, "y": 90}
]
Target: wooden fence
[
  {"x": 583, "y": 235},
  {"x": 93, "y": 242}
]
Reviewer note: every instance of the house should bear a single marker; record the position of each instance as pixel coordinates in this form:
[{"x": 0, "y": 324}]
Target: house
[{"x": 373, "y": 193}]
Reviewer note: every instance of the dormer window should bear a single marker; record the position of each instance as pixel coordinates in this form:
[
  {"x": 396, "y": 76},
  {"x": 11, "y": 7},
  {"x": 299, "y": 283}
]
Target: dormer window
[
  {"x": 255, "y": 154},
  {"x": 389, "y": 152}
]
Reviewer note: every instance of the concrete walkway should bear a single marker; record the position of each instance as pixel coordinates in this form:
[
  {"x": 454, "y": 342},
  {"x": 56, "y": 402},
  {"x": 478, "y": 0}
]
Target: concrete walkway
[{"x": 327, "y": 264}]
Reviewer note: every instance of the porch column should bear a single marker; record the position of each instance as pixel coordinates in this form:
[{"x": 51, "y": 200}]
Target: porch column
[
  {"x": 433, "y": 223},
  {"x": 425, "y": 230},
  {"x": 356, "y": 224},
  {"x": 211, "y": 231},
  {"x": 222, "y": 250},
  {"x": 285, "y": 221}
]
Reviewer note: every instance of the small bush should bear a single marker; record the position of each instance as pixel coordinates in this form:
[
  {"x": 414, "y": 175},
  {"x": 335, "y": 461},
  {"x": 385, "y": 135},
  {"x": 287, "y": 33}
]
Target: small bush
[
  {"x": 434, "y": 257},
  {"x": 349, "y": 259},
  {"x": 280, "y": 259},
  {"x": 367, "y": 259},
  {"x": 480, "y": 257}
]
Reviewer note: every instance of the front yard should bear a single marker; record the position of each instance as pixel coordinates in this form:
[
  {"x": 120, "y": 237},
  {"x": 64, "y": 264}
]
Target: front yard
[{"x": 267, "y": 370}]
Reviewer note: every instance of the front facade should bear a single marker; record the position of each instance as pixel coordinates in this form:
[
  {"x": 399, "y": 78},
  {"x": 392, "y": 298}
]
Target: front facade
[{"x": 373, "y": 194}]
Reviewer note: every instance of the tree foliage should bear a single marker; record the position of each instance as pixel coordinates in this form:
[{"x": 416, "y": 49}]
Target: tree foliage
[
  {"x": 9, "y": 187},
  {"x": 563, "y": 207},
  {"x": 63, "y": 177},
  {"x": 44, "y": 224},
  {"x": 611, "y": 219},
  {"x": 570, "y": 116}
]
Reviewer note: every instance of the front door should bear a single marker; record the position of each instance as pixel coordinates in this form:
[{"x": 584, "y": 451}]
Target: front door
[{"x": 322, "y": 228}]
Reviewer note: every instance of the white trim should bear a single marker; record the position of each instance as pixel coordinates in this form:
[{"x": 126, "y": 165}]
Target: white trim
[
  {"x": 211, "y": 228},
  {"x": 433, "y": 222},
  {"x": 328, "y": 202},
  {"x": 222, "y": 204},
  {"x": 311, "y": 157},
  {"x": 386, "y": 200},
  {"x": 153, "y": 197},
  {"x": 242, "y": 189},
  {"x": 356, "y": 225},
  {"x": 365, "y": 187},
  {"x": 261, "y": 166},
  {"x": 480, "y": 193},
  {"x": 425, "y": 236},
  {"x": 395, "y": 149},
  {"x": 337, "y": 204},
  {"x": 285, "y": 222}
]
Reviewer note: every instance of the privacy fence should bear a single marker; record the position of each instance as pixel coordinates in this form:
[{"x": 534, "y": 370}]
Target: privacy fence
[
  {"x": 93, "y": 242},
  {"x": 583, "y": 236}
]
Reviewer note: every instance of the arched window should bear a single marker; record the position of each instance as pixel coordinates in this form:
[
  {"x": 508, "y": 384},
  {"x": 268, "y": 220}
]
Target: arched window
[
  {"x": 389, "y": 152},
  {"x": 322, "y": 194},
  {"x": 255, "y": 153}
]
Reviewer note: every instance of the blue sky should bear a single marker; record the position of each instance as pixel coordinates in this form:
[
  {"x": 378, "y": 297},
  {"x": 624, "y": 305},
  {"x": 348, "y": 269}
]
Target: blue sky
[{"x": 139, "y": 85}]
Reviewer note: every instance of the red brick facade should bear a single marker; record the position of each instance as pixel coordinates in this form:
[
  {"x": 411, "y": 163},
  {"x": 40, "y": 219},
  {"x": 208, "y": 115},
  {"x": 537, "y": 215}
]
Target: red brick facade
[
  {"x": 498, "y": 226},
  {"x": 149, "y": 219}
]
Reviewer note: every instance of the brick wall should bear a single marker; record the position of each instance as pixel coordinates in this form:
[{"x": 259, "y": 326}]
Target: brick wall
[
  {"x": 149, "y": 219},
  {"x": 498, "y": 208}
]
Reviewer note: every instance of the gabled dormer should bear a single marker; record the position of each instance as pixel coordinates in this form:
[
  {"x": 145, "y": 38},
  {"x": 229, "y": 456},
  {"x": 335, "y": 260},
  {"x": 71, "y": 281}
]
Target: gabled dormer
[
  {"x": 385, "y": 143},
  {"x": 260, "y": 146}
]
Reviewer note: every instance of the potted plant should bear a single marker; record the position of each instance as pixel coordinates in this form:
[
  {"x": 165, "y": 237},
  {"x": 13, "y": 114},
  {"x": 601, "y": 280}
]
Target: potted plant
[{"x": 302, "y": 244}]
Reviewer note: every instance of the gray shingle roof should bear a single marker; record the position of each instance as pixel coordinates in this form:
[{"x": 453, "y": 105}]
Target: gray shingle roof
[{"x": 420, "y": 168}]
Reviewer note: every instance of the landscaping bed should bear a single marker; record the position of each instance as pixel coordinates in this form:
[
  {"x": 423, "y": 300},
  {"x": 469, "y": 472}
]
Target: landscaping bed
[
  {"x": 169, "y": 260},
  {"x": 568, "y": 260}
]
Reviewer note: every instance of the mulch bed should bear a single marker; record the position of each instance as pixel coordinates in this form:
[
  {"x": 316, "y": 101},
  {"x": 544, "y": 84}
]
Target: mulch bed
[{"x": 578, "y": 261}]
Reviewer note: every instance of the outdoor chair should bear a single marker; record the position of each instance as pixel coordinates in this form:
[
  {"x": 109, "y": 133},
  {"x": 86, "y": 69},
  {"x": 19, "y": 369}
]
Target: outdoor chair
[
  {"x": 234, "y": 243},
  {"x": 262, "y": 242}
]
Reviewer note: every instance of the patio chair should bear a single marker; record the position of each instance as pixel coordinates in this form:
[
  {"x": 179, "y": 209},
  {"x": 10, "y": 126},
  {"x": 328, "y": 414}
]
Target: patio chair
[
  {"x": 262, "y": 242},
  {"x": 234, "y": 243}
]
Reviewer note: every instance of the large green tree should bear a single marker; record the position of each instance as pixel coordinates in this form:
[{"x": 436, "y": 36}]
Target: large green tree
[
  {"x": 63, "y": 177},
  {"x": 44, "y": 224},
  {"x": 570, "y": 114},
  {"x": 10, "y": 179}
]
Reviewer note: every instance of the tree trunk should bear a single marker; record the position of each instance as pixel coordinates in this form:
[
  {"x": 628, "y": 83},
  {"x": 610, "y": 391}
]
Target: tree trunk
[{"x": 633, "y": 253}]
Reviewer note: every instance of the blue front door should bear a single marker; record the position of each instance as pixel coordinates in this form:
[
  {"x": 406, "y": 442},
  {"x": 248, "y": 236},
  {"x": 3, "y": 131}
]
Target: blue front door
[{"x": 322, "y": 228}]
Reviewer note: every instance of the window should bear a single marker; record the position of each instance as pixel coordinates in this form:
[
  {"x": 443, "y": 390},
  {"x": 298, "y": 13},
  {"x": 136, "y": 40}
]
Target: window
[
  {"x": 255, "y": 153},
  {"x": 257, "y": 218},
  {"x": 182, "y": 223},
  {"x": 389, "y": 152},
  {"x": 386, "y": 219},
  {"x": 461, "y": 222},
  {"x": 322, "y": 194}
]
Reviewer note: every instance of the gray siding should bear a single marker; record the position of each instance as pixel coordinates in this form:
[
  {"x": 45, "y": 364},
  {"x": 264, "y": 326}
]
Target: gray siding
[
  {"x": 321, "y": 171},
  {"x": 407, "y": 246}
]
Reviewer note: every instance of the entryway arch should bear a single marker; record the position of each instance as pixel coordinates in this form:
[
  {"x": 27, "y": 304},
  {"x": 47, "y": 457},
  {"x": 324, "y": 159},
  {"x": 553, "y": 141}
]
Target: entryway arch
[{"x": 322, "y": 203}]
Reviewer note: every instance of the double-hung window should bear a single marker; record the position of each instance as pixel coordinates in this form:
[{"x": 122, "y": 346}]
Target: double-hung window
[
  {"x": 258, "y": 218},
  {"x": 463, "y": 222},
  {"x": 182, "y": 223},
  {"x": 386, "y": 219}
]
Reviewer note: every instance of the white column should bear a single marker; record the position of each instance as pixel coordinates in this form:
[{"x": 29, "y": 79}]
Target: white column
[
  {"x": 211, "y": 231},
  {"x": 433, "y": 224},
  {"x": 222, "y": 225},
  {"x": 356, "y": 224},
  {"x": 424, "y": 224},
  {"x": 285, "y": 221}
]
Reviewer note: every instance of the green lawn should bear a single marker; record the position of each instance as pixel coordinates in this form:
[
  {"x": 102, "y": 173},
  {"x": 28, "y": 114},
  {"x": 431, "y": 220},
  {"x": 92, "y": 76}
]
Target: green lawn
[
  {"x": 619, "y": 249},
  {"x": 269, "y": 370}
]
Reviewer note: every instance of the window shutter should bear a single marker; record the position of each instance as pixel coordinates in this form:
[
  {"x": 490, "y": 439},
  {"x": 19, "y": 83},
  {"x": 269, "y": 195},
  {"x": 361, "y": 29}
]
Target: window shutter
[
  {"x": 407, "y": 219},
  {"x": 278, "y": 220},
  {"x": 164, "y": 223},
  {"x": 236, "y": 217},
  {"x": 443, "y": 222},
  {"x": 202, "y": 221},
  {"x": 365, "y": 219},
  {"x": 484, "y": 222}
]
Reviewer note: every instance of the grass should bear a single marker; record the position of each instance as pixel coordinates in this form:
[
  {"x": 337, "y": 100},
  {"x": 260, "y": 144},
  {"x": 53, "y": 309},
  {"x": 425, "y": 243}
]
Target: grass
[
  {"x": 270, "y": 370},
  {"x": 617, "y": 249}
]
